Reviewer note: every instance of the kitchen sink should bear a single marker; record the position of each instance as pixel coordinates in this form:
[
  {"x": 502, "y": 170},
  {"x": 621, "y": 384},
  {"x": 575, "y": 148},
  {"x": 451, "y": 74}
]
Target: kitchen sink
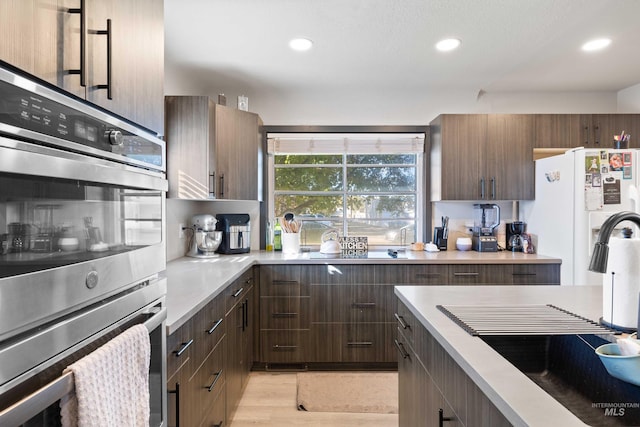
[{"x": 567, "y": 368}]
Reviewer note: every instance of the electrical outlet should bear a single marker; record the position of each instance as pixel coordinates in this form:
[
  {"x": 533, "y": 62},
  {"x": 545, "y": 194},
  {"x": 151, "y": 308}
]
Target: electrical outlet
[{"x": 181, "y": 231}]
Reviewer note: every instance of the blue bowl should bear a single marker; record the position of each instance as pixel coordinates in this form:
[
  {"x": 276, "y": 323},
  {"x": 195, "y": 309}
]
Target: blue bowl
[{"x": 625, "y": 368}]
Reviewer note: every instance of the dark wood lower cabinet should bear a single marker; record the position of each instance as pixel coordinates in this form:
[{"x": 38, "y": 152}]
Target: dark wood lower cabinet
[
  {"x": 209, "y": 358},
  {"x": 433, "y": 388}
]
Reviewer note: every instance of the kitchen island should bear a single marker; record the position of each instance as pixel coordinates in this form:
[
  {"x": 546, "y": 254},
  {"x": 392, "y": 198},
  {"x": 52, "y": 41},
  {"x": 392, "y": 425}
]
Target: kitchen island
[{"x": 517, "y": 399}]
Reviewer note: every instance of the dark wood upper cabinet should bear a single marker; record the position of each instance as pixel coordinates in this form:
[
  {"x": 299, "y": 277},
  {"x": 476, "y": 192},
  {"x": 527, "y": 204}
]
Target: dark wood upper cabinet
[
  {"x": 584, "y": 130},
  {"x": 213, "y": 151},
  {"x": 44, "y": 38},
  {"x": 482, "y": 157}
]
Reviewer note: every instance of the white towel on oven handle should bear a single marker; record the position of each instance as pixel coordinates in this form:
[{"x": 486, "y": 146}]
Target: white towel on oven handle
[{"x": 111, "y": 384}]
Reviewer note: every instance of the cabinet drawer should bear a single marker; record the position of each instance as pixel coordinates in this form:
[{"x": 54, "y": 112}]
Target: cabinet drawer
[
  {"x": 339, "y": 274},
  {"x": 536, "y": 274},
  {"x": 209, "y": 327},
  {"x": 180, "y": 349},
  {"x": 479, "y": 274},
  {"x": 208, "y": 380},
  {"x": 283, "y": 346},
  {"x": 352, "y": 303},
  {"x": 282, "y": 281},
  {"x": 371, "y": 303},
  {"x": 236, "y": 291},
  {"x": 284, "y": 313},
  {"x": 216, "y": 416},
  {"x": 368, "y": 342},
  {"x": 425, "y": 274},
  {"x": 406, "y": 323},
  {"x": 343, "y": 342}
]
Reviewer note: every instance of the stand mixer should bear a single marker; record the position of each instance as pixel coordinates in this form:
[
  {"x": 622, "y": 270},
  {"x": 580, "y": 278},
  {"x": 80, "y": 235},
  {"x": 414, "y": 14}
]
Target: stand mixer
[
  {"x": 484, "y": 235},
  {"x": 204, "y": 238}
]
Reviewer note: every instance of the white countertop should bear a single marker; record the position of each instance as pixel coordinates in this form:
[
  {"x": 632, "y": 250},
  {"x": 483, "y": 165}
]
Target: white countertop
[
  {"x": 512, "y": 392},
  {"x": 193, "y": 282}
]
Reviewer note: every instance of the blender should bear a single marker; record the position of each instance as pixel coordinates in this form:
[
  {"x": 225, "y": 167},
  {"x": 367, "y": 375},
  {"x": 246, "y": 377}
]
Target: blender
[
  {"x": 204, "y": 238},
  {"x": 487, "y": 219}
]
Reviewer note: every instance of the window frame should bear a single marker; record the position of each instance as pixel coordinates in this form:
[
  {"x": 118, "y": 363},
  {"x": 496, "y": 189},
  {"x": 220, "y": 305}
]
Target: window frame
[{"x": 421, "y": 180}]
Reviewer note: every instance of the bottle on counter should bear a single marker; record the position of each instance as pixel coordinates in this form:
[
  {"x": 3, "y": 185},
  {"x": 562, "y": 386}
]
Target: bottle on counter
[
  {"x": 269, "y": 238},
  {"x": 277, "y": 236}
]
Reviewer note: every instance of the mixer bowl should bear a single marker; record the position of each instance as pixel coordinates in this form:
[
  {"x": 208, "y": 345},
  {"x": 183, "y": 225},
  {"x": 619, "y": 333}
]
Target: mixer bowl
[{"x": 208, "y": 241}]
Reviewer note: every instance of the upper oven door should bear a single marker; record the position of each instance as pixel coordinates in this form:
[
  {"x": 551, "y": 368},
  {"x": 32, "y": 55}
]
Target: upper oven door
[{"x": 73, "y": 229}]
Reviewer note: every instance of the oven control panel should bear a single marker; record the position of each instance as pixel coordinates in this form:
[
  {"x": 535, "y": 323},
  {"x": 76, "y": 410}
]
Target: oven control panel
[{"x": 42, "y": 114}]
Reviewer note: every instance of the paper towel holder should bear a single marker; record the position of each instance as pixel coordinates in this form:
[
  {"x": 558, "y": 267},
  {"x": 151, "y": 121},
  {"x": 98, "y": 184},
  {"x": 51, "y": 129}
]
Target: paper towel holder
[{"x": 600, "y": 255}]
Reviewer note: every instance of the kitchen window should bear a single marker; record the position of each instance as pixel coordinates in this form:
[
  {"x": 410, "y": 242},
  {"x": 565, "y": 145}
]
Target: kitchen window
[{"x": 359, "y": 184}]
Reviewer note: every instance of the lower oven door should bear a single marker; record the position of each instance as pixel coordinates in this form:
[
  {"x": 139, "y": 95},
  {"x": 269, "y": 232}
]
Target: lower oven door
[
  {"x": 73, "y": 230},
  {"x": 32, "y": 398}
]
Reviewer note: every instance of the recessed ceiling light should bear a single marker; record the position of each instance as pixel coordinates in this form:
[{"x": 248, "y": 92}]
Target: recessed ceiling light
[
  {"x": 300, "y": 44},
  {"x": 447, "y": 44},
  {"x": 596, "y": 44}
]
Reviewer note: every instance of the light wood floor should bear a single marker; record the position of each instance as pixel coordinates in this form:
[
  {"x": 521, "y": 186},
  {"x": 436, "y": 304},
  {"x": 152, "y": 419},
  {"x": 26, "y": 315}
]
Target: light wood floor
[{"x": 270, "y": 400}]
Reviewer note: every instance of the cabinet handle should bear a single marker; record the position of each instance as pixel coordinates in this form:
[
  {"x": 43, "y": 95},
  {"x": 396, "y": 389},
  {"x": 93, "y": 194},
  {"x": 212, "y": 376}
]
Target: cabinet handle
[
  {"x": 243, "y": 308},
  {"x": 525, "y": 274},
  {"x": 107, "y": 33},
  {"x": 177, "y": 393},
  {"x": 596, "y": 135},
  {"x": 442, "y": 418},
  {"x": 400, "y": 320},
  {"x": 185, "y": 345},
  {"x": 215, "y": 326},
  {"x": 238, "y": 292},
  {"x": 212, "y": 186},
  {"x": 83, "y": 41},
  {"x": 493, "y": 188},
  {"x": 246, "y": 313},
  {"x": 221, "y": 185},
  {"x": 363, "y": 305},
  {"x": 249, "y": 280},
  {"x": 215, "y": 380},
  {"x": 359, "y": 344},
  {"x": 586, "y": 135},
  {"x": 482, "y": 188},
  {"x": 404, "y": 353},
  {"x": 284, "y": 314},
  {"x": 427, "y": 275},
  {"x": 466, "y": 274},
  {"x": 278, "y": 347},
  {"x": 284, "y": 282}
]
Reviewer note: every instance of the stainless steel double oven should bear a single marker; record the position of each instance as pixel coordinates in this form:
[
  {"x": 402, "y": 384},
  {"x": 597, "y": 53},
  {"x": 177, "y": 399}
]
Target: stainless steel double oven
[{"x": 82, "y": 233}]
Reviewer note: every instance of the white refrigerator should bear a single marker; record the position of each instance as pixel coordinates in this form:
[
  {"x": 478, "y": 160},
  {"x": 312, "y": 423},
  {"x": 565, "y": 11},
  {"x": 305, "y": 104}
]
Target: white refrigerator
[{"x": 575, "y": 193}]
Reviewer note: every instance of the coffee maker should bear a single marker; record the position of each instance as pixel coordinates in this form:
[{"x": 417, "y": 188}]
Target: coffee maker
[
  {"x": 514, "y": 235},
  {"x": 236, "y": 233},
  {"x": 487, "y": 219}
]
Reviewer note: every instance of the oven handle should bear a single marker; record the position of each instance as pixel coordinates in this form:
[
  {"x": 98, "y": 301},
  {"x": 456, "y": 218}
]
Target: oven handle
[
  {"x": 15, "y": 157},
  {"x": 25, "y": 409}
]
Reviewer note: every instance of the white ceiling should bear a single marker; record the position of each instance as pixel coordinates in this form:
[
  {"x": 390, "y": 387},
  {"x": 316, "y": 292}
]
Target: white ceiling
[{"x": 373, "y": 45}]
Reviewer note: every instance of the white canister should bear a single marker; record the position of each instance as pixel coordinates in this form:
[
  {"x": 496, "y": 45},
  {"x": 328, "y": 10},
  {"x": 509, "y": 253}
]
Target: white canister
[
  {"x": 621, "y": 283},
  {"x": 290, "y": 243}
]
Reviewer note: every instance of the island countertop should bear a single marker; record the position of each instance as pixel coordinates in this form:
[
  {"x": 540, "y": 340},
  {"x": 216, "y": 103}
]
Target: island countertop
[
  {"x": 193, "y": 282},
  {"x": 520, "y": 400}
]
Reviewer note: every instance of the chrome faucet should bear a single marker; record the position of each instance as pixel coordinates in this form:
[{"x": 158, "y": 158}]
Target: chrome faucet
[{"x": 600, "y": 254}]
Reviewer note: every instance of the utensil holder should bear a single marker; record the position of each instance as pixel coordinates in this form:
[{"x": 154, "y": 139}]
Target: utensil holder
[{"x": 290, "y": 243}]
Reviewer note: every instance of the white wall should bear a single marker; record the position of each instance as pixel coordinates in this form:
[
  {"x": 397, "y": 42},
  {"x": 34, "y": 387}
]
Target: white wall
[
  {"x": 181, "y": 211},
  {"x": 629, "y": 100},
  {"x": 384, "y": 107}
]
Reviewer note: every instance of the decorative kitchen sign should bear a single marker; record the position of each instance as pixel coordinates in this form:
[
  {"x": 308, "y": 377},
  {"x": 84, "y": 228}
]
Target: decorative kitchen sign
[{"x": 354, "y": 247}]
